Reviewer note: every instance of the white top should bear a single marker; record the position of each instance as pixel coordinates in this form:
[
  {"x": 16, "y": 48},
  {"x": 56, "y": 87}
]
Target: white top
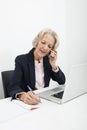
[{"x": 39, "y": 74}]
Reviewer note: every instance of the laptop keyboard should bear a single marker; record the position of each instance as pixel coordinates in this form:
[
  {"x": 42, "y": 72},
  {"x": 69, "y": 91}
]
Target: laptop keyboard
[
  {"x": 56, "y": 89},
  {"x": 58, "y": 95},
  {"x": 52, "y": 91}
]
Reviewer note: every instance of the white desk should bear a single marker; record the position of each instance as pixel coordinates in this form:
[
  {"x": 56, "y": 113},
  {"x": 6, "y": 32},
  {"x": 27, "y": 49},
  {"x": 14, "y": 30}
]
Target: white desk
[{"x": 49, "y": 116}]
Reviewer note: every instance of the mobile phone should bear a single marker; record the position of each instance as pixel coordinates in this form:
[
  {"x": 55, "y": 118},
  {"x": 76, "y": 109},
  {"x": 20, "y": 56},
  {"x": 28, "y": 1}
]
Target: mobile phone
[{"x": 52, "y": 53}]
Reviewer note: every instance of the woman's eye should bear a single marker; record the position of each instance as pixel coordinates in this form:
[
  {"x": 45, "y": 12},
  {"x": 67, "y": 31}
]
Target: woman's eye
[
  {"x": 50, "y": 46},
  {"x": 42, "y": 42}
]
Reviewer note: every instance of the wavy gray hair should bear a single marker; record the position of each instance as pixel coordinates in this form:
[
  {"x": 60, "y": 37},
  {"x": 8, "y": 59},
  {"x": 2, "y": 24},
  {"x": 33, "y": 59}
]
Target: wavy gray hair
[{"x": 42, "y": 33}]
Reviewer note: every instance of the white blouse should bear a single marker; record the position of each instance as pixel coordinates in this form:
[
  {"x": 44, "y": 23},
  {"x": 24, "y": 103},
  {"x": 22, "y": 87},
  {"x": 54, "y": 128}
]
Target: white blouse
[{"x": 39, "y": 74}]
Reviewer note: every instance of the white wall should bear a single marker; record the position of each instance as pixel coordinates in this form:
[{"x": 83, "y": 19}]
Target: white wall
[
  {"x": 20, "y": 21},
  {"x": 76, "y": 31}
]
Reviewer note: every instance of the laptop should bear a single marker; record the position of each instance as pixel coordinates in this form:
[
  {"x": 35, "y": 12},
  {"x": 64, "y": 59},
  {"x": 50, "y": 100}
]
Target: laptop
[{"x": 76, "y": 85}]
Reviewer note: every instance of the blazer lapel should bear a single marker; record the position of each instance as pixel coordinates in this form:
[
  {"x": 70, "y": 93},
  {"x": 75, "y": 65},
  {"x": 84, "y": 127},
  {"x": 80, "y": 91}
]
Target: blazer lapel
[{"x": 45, "y": 63}]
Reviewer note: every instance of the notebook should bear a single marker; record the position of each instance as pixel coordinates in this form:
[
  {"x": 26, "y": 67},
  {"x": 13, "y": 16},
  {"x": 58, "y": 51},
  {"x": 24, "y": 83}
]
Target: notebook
[{"x": 76, "y": 85}]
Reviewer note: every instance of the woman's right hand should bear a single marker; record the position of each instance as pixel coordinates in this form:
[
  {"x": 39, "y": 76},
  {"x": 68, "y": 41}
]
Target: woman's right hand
[{"x": 29, "y": 98}]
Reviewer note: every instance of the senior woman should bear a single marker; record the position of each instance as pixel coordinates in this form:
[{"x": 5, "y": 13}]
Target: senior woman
[{"x": 35, "y": 69}]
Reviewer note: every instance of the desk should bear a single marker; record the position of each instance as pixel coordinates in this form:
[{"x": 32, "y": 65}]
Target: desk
[{"x": 49, "y": 116}]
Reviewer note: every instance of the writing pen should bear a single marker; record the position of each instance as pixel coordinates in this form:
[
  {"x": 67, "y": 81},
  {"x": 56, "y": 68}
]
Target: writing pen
[
  {"x": 31, "y": 90},
  {"x": 29, "y": 87}
]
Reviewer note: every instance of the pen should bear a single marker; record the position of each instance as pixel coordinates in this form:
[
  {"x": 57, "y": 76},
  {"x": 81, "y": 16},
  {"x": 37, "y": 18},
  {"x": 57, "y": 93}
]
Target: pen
[
  {"x": 29, "y": 87},
  {"x": 11, "y": 98},
  {"x": 31, "y": 90}
]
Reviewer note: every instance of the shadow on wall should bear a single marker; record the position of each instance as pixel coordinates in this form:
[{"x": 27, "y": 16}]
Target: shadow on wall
[{"x": 1, "y": 88}]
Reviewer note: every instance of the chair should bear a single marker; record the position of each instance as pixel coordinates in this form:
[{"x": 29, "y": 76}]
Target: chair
[{"x": 6, "y": 77}]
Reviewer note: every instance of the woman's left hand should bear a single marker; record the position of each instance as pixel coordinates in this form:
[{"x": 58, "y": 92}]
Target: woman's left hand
[{"x": 53, "y": 59}]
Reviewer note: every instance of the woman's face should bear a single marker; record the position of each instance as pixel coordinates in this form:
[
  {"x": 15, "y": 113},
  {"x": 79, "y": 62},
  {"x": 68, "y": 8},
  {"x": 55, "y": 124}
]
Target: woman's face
[{"x": 44, "y": 46}]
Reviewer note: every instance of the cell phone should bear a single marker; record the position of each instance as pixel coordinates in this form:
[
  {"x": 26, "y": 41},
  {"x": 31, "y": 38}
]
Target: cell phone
[{"x": 51, "y": 54}]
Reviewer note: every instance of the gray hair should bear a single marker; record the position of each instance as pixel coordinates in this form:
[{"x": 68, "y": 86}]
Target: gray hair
[{"x": 42, "y": 33}]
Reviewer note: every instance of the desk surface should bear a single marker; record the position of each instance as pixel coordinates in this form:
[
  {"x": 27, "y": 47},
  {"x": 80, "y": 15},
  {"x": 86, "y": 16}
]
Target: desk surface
[{"x": 49, "y": 116}]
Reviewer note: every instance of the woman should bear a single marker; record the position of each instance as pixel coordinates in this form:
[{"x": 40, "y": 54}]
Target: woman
[{"x": 35, "y": 69}]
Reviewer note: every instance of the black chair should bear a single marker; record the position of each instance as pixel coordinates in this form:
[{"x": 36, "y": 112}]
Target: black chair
[{"x": 6, "y": 77}]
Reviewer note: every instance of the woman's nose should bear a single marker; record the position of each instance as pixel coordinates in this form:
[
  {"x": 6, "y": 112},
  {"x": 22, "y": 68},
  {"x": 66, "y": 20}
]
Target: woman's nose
[{"x": 45, "y": 47}]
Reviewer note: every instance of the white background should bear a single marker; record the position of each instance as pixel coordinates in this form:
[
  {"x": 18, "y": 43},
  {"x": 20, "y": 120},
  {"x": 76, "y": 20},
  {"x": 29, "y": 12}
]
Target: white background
[{"x": 21, "y": 20}]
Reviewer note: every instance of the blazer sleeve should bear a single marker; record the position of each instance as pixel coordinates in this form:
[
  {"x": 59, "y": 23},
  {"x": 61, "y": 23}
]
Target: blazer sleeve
[
  {"x": 58, "y": 76},
  {"x": 16, "y": 81}
]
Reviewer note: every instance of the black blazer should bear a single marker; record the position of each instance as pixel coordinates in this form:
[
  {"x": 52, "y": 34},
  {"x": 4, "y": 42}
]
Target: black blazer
[{"x": 24, "y": 74}]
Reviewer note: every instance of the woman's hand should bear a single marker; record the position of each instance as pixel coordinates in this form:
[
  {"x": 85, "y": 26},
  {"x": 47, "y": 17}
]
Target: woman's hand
[
  {"x": 53, "y": 59},
  {"x": 29, "y": 98}
]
